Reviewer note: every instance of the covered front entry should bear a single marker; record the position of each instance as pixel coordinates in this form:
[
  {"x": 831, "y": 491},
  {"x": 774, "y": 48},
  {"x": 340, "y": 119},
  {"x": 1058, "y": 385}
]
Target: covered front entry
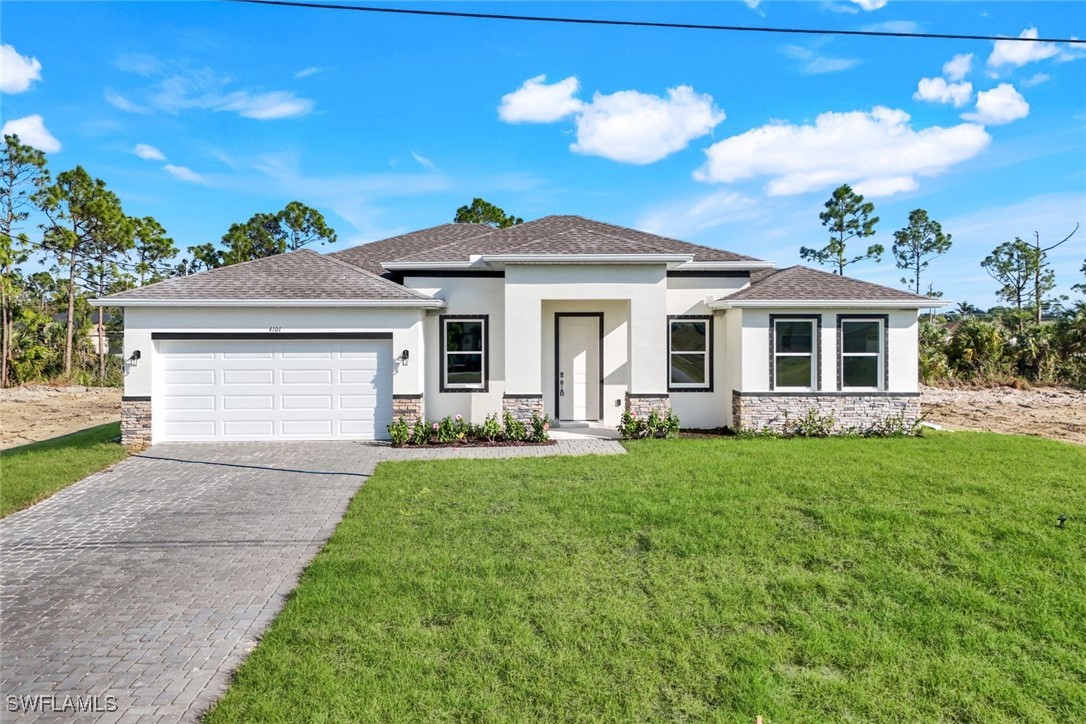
[
  {"x": 252, "y": 387},
  {"x": 578, "y": 369}
]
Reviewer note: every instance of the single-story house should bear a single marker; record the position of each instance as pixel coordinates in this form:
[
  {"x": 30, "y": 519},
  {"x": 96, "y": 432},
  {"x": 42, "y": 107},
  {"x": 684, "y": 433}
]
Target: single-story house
[{"x": 564, "y": 316}]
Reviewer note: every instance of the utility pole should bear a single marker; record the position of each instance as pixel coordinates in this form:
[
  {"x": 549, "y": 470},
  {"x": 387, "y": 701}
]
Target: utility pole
[{"x": 1039, "y": 252}]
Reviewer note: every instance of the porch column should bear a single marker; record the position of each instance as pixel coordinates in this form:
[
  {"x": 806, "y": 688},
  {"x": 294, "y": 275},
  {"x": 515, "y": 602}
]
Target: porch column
[{"x": 648, "y": 356}]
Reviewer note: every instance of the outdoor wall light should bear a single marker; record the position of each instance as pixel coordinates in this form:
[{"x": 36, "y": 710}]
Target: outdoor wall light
[
  {"x": 404, "y": 356},
  {"x": 135, "y": 357}
]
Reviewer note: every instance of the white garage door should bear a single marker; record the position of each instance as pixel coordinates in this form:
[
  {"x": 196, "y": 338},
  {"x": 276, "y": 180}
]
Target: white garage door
[{"x": 273, "y": 389}]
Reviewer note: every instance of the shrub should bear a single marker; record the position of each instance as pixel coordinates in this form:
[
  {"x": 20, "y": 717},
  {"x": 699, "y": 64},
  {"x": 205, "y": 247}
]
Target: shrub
[
  {"x": 420, "y": 433},
  {"x": 894, "y": 426},
  {"x": 515, "y": 430},
  {"x": 491, "y": 429},
  {"x": 399, "y": 432},
  {"x": 539, "y": 428},
  {"x": 655, "y": 425},
  {"x": 812, "y": 424}
]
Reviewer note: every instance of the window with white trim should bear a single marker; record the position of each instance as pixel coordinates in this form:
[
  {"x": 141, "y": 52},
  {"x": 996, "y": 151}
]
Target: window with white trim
[
  {"x": 794, "y": 363},
  {"x": 690, "y": 353},
  {"x": 862, "y": 359},
  {"x": 463, "y": 353}
]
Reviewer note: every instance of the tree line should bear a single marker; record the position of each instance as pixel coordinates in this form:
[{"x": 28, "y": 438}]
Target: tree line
[
  {"x": 1034, "y": 336},
  {"x": 90, "y": 248}
]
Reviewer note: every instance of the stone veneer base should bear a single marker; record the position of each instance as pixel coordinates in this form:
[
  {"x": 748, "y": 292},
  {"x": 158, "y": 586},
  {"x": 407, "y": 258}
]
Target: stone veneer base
[
  {"x": 521, "y": 407},
  {"x": 409, "y": 407},
  {"x": 645, "y": 405},
  {"x": 858, "y": 411},
  {"x": 135, "y": 422}
]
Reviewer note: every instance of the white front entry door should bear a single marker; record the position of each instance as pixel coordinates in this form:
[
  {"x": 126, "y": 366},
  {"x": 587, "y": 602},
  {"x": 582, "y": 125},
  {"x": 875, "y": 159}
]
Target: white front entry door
[
  {"x": 578, "y": 370},
  {"x": 269, "y": 389}
]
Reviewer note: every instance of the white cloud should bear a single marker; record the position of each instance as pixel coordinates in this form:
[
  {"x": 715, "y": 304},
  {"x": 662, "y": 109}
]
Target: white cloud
[
  {"x": 17, "y": 72},
  {"x": 1035, "y": 79},
  {"x": 958, "y": 67},
  {"x": 627, "y": 126},
  {"x": 31, "y": 130},
  {"x": 895, "y": 26},
  {"x": 937, "y": 90},
  {"x": 634, "y": 127},
  {"x": 1019, "y": 52},
  {"x": 306, "y": 72},
  {"x": 422, "y": 160},
  {"x": 999, "y": 105},
  {"x": 811, "y": 63},
  {"x": 878, "y": 151},
  {"x": 138, "y": 63},
  {"x": 183, "y": 173},
  {"x": 870, "y": 4},
  {"x": 264, "y": 106},
  {"x": 148, "y": 153},
  {"x": 120, "y": 102},
  {"x": 537, "y": 102},
  {"x": 685, "y": 218}
]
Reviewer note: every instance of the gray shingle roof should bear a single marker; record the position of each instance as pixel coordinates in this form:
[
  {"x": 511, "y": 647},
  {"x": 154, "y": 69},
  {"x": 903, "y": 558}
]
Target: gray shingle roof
[
  {"x": 801, "y": 283},
  {"x": 369, "y": 256},
  {"x": 551, "y": 235},
  {"x": 298, "y": 275}
]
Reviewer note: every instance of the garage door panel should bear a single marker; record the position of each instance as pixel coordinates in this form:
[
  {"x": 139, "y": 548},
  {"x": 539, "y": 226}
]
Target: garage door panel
[
  {"x": 189, "y": 429},
  {"x": 275, "y": 389},
  {"x": 189, "y": 402},
  {"x": 307, "y": 402},
  {"x": 249, "y": 429},
  {"x": 248, "y": 402}
]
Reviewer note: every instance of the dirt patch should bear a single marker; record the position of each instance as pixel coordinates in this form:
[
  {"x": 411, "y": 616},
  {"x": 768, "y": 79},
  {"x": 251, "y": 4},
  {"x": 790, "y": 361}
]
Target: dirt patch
[
  {"x": 1054, "y": 412},
  {"x": 38, "y": 412}
]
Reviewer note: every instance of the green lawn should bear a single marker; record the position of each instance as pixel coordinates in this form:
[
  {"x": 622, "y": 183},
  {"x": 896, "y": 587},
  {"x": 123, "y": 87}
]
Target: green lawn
[
  {"x": 35, "y": 471},
  {"x": 803, "y": 580}
]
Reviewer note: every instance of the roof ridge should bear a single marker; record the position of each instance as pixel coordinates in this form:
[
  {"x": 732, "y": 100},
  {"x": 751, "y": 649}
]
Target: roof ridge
[
  {"x": 367, "y": 273},
  {"x": 489, "y": 230}
]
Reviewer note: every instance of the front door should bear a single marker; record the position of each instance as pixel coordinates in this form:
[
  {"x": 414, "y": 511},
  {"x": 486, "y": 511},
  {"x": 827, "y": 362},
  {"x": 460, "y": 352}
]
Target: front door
[{"x": 579, "y": 370}]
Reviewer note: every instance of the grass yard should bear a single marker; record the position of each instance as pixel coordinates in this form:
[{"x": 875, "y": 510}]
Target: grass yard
[
  {"x": 803, "y": 580},
  {"x": 32, "y": 472}
]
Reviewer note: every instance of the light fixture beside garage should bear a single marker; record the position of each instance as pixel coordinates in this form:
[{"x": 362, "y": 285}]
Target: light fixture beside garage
[
  {"x": 404, "y": 357},
  {"x": 134, "y": 357}
]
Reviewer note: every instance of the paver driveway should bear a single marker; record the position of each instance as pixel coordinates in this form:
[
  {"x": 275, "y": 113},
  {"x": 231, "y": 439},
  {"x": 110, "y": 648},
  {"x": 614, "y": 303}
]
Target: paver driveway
[{"x": 151, "y": 582}]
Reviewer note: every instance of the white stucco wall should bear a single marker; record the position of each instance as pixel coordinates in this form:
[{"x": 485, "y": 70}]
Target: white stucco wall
[
  {"x": 753, "y": 332},
  {"x": 688, "y": 295},
  {"x": 527, "y": 286},
  {"x": 406, "y": 326},
  {"x": 464, "y": 296}
]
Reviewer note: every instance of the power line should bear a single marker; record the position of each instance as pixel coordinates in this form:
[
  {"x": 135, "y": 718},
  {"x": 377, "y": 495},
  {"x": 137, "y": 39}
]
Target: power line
[{"x": 645, "y": 23}]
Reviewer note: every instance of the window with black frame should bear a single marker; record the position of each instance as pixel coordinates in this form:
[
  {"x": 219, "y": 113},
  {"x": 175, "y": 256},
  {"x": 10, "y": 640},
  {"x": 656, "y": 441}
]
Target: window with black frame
[
  {"x": 464, "y": 353},
  {"x": 794, "y": 354},
  {"x": 690, "y": 353},
  {"x": 861, "y": 354}
]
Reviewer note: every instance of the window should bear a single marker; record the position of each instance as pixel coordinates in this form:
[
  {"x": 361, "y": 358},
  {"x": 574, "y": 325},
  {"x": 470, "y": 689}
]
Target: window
[
  {"x": 690, "y": 356},
  {"x": 464, "y": 353},
  {"x": 862, "y": 363},
  {"x": 794, "y": 363}
]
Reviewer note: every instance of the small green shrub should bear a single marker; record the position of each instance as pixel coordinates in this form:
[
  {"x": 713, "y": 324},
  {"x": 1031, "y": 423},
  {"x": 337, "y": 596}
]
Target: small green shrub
[
  {"x": 539, "y": 428},
  {"x": 812, "y": 424},
  {"x": 399, "y": 432},
  {"x": 491, "y": 429},
  {"x": 515, "y": 430},
  {"x": 420, "y": 433},
  {"x": 632, "y": 427}
]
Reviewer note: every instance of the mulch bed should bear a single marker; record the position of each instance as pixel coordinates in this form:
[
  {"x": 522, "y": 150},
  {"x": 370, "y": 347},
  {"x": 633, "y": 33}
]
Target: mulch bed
[
  {"x": 695, "y": 433},
  {"x": 479, "y": 443}
]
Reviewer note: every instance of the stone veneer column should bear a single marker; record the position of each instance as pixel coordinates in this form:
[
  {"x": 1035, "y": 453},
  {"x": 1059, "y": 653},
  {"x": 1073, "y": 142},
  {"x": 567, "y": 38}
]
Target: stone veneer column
[
  {"x": 521, "y": 407},
  {"x": 644, "y": 405},
  {"x": 135, "y": 421},
  {"x": 409, "y": 407},
  {"x": 851, "y": 411}
]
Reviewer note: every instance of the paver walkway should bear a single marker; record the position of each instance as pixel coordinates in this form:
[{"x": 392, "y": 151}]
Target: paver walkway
[{"x": 150, "y": 582}]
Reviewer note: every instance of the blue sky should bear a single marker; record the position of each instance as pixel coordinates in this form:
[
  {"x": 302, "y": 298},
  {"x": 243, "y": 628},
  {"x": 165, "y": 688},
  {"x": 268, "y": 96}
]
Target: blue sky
[{"x": 202, "y": 114}]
